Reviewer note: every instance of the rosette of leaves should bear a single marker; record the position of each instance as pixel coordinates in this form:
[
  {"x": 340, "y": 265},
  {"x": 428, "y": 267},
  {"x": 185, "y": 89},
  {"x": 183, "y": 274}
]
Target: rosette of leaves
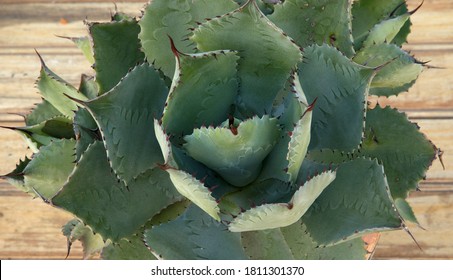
[{"x": 231, "y": 130}]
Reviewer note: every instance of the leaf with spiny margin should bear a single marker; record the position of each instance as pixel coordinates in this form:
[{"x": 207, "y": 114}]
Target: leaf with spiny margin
[
  {"x": 44, "y": 133},
  {"x": 237, "y": 158},
  {"x": 398, "y": 144},
  {"x": 368, "y": 13},
  {"x": 358, "y": 201},
  {"x": 116, "y": 49},
  {"x": 195, "y": 191},
  {"x": 194, "y": 235},
  {"x": 170, "y": 213},
  {"x": 341, "y": 87},
  {"x": 16, "y": 177},
  {"x": 385, "y": 31},
  {"x": 266, "y": 245},
  {"x": 311, "y": 22},
  {"x": 125, "y": 117},
  {"x": 269, "y": 216},
  {"x": 406, "y": 211},
  {"x": 202, "y": 92},
  {"x": 56, "y": 91},
  {"x": 267, "y": 56},
  {"x": 75, "y": 230},
  {"x": 88, "y": 86},
  {"x": 289, "y": 107},
  {"x": 105, "y": 204},
  {"x": 303, "y": 247},
  {"x": 86, "y": 131},
  {"x": 56, "y": 159},
  {"x": 293, "y": 242},
  {"x": 42, "y": 112},
  {"x": 397, "y": 76},
  {"x": 174, "y": 18},
  {"x": 255, "y": 194},
  {"x": 84, "y": 44},
  {"x": 129, "y": 248}
]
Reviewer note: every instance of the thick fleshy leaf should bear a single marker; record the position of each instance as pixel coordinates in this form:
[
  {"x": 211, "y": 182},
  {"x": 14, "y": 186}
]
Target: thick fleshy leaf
[
  {"x": 174, "y": 18},
  {"x": 267, "y": 56},
  {"x": 269, "y": 216},
  {"x": 16, "y": 177},
  {"x": 84, "y": 44},
  {"x": 116, "y": 50},
  {"x": 125, "y": 116},
  {"x": 56, "y": 159},
  {"x": 88, "y": 86},
  {"x": 105, "y": 204},
  {"x": 294, "y": 242},
  {"x": 397, "y": 76},
  {"x": 42, "y": 112},
  {"x": 406, "y": 210},
  {"x": 311, "y": 22},
  {"x": 353, "y": 204},
  {"x": 304, "y": 247},
  {"x": 340, "y": 87},
  {"x": 235, "y": 153},
  {"x": 398, "y": 144},
  {"x": 266, "y": 245},
  {"x": 385, "y": 31},
  {"x": 203, "y": 91},
  {"x": 91, "y": 243},
  {"x": 195, "y": 191},
  {"x": 130, "y": 248},
  {"x": 367, "y": 13},
  {"x": 86, "y": 131},
  {"x": 56, "y": 91},
  {"x": 194, "y": 235}
]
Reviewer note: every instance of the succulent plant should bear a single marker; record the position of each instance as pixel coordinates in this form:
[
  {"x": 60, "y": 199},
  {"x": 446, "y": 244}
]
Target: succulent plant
[{"x": 228, "y": 129}]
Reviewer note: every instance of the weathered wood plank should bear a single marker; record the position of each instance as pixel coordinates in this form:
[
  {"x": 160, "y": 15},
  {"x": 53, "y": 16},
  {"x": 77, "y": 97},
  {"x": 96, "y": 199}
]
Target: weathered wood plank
[{"x": 23, "y": 27}]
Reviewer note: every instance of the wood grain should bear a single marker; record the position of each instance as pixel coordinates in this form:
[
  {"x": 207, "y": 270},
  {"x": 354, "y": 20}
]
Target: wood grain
[{"x": 30, "y": 229}]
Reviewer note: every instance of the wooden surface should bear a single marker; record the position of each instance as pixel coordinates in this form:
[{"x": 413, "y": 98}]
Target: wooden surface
[{"x": 30, "y": 229}]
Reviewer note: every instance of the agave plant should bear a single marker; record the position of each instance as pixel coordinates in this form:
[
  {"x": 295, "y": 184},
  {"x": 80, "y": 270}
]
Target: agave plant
[{"x": 228, "y": 129}]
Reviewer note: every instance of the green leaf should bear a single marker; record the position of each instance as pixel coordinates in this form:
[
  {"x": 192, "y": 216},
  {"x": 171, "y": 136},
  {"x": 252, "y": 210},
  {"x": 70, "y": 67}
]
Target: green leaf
[
  {"x": 84, "y": 44},
  {"x": 174, "y": 18},
  {"x": 234, "y": 155},
  {"x": 42, "y": 112},
  {"x": 86, "y": 131},
  {"x": 340, "y": 87},
  {"x": 125, "y": 116},
  {"x": 194, "y": 235},
  {"x": 398, "y": 144},
  {"x": 56, "y": 91},
  {"x": 367, "y": 13},
  {"x": 195, "y": 191},
  {"x": 105, "y": 204},
  {"x": 294, "y": 242},
  {"x": 397, "y": 76},
  {"x": 88, "y": 86},
  {"x": 304, "y": 247},
  {"x": 269, "y": 216},
  {"x": 385, "y": 31},
  {"x": 91, "y": 243},
  {"x": 358, "y": 201},
  {"x": 116, "y": 49},
  {"x": 16, "y": 177},
  {"x": 406, "y": 211},
  {"x": 202, "y": 93},
  {"x": 266, "y": 245},
  {"x": 267, "y": 56},
  {"x": 311, "y": 22},
  {"x": 55, "y": 159},
  {"x": 130, "y": 248}
]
